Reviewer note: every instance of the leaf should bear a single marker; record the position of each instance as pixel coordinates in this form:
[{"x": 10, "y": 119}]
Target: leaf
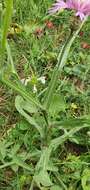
[
  {"x": 43, "y": 178},
  {"x": 86, "y": 179},
  {"x": 57, "y": 104},
  {"x": 14, "y": 150},
  {"x": 23, "y": 125},
  {"x": 51, "y": 167},
  {"x": 20, "y": 107},
  {"x": 3, "y": 150},
  {"x": 21, "y": 163},
  {"x": 23, "y": 104},
  {"x": 73, "y": 122},
  {"x": 67, "y": 135},
  {"x": 18, "y": 87},
  {"x": 2, "y": 121},
  {"x": 30, "y": 28},
  {"x": 31, "y": 108},
  {"x": 56, "y": 187}
]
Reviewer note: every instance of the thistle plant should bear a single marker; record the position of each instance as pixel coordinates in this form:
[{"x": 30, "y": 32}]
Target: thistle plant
[
  {"x": 82, "y": 7},
  {"x": 29, "y": 106}
]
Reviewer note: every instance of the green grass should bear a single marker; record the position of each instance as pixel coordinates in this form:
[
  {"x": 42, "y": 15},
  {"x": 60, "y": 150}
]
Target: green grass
[{"x": 34, "y": 56}]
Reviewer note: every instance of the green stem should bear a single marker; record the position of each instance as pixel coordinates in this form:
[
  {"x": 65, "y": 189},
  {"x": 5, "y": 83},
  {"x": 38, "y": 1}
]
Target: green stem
[
  {"x": 6, "y": 23},
  {"x": 11, "y": 59},
  {"x": 7, "y": 165},
  {"x": 32, "y": 184},
  {"x": 62, "y": 58},
  {"x": 60, "y": 181}
]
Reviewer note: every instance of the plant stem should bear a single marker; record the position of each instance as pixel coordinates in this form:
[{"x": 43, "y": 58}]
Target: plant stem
[
  {"x": 6, "y": 165},
  {"x": 62, "y": 58},
  {"x": 60, "y": 181},
  {"x": 32, "y": 184},
  {"x": 6, "y": 23}
]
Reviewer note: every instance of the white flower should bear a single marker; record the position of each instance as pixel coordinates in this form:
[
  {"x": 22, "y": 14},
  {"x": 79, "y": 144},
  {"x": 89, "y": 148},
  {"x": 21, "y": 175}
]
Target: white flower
[
  {"x": 42, "y": 79},
  {"x": 25, "y": 81},
  {"x": 34, "y": 89}
]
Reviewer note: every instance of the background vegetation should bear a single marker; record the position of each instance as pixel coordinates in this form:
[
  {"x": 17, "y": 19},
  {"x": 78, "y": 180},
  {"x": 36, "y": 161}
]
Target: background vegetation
[{"x": 35, "y": 39}]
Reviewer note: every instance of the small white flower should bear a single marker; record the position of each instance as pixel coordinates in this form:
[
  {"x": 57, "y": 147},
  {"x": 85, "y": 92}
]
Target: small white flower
[
  {"x": 88, "y": 133},
  {"x": 42, "y": 79},
  {"x": 34, "y": 89},
  {"x": 25, "y": 81}
]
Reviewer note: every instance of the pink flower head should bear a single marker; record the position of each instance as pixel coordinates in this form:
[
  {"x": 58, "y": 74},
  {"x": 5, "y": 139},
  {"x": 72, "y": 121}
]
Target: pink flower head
[{"x": 82, "y": 7}]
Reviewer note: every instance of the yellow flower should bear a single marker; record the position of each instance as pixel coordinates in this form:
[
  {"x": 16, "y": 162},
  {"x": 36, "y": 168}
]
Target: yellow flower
[
  {"x": 15, "y": 29},
  {"x": 74, "y": 106}
]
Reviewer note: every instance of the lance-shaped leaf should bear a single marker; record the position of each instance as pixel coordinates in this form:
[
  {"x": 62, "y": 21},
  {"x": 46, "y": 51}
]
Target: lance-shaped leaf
[{"x": 24, "y": 109}]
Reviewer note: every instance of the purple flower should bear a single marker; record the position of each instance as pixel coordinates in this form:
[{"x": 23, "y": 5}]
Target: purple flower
[{"x": 82, "y": 7}]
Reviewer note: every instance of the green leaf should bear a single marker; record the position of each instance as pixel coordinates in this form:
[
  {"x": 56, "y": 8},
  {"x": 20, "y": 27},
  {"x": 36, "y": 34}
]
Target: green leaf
[
  {"x": 18, "y": 87},
  {"x": 86, "y": 179},
  {"x": 2, "y": 121},
  {"x": 73, "y": 122},
  {"x": 67, "y": 135},
  {"x": 20, "y": 103},
  {"x": 14, "y": 150},
  {"x": 57, "y": 105},
  {"x": 56, "y": 187},
  {"x": 29, "y": 106},
  {"x": 23, "y": 125},
  {"x": 51, "y": 167},
  {"x": 18, "y": 161},
  {"x": 4, "y": 145},
  {"x": 30, "y": 28},
  {"x": 43, "y": 178},
  {"x": 3, "y": 150}
]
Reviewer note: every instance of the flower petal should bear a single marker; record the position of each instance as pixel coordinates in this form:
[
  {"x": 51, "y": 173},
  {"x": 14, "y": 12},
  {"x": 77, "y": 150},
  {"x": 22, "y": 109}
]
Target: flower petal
[{"x": 57, "y": 6}]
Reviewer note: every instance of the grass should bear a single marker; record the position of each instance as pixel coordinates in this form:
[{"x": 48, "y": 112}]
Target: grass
[{"x": 35, "y": 47}]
